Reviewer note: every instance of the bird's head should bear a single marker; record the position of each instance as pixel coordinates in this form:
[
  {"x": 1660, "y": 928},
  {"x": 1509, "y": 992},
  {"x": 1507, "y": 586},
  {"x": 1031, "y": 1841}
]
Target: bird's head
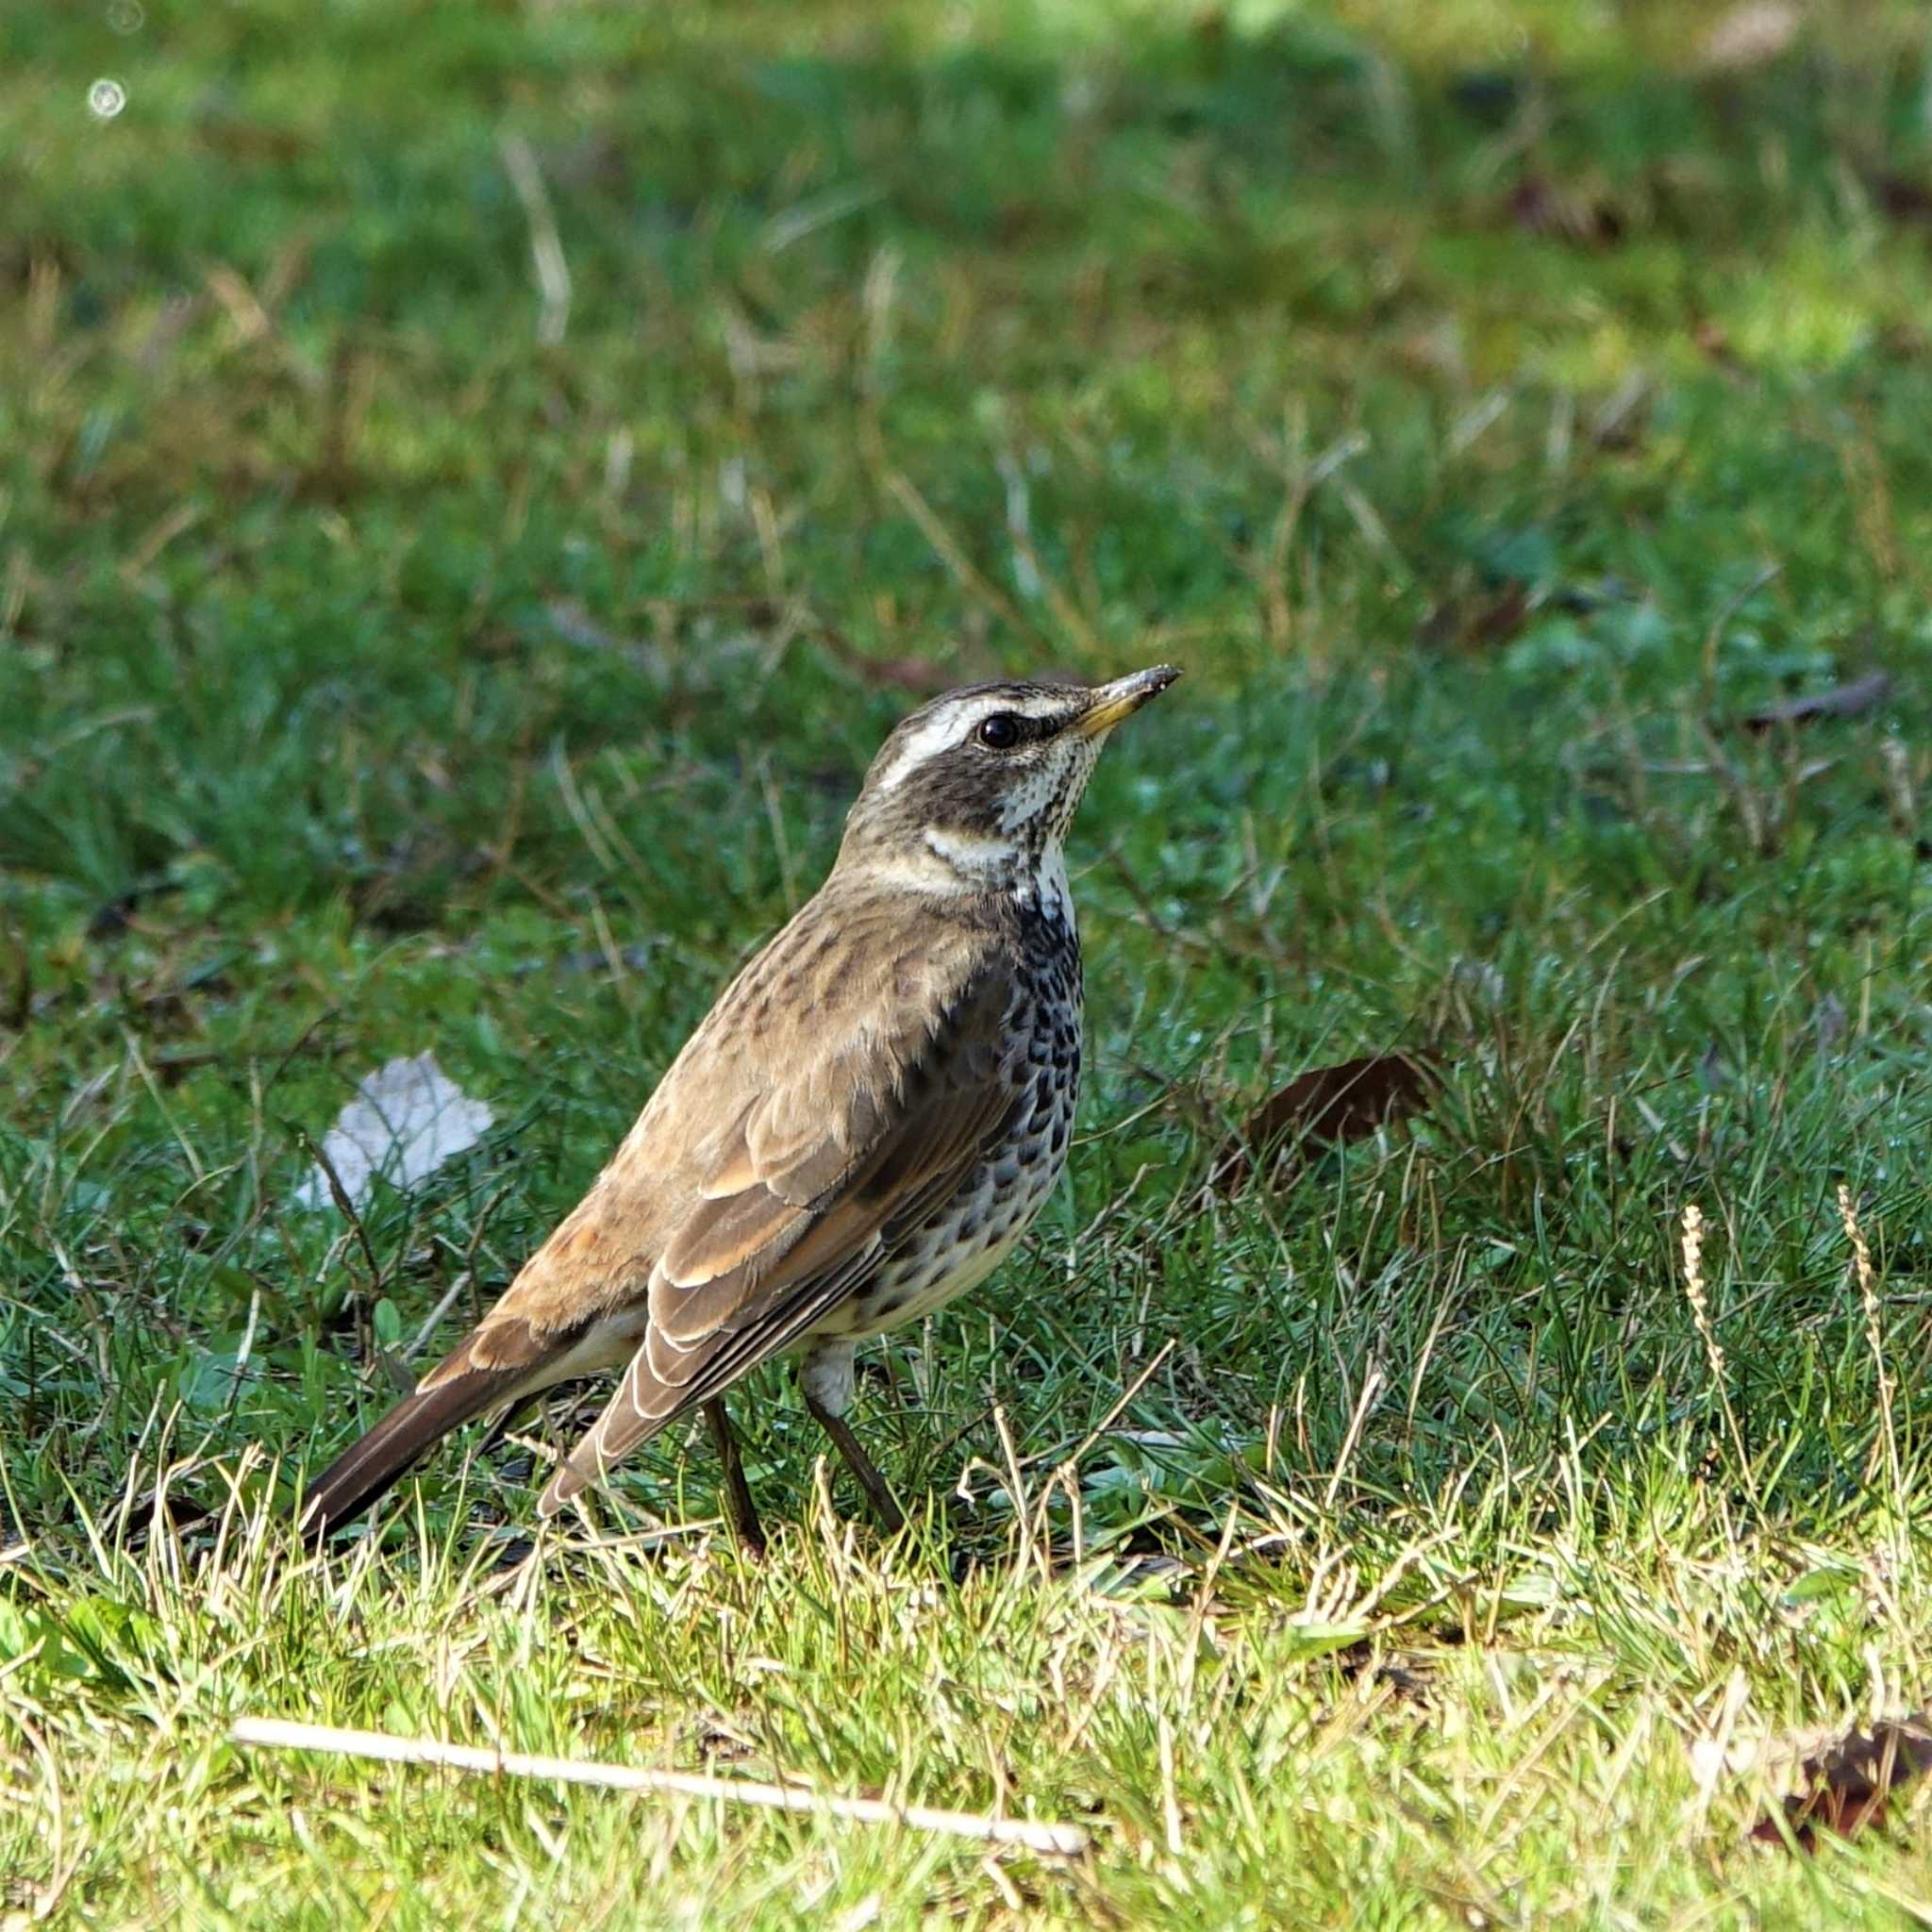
[{"x": 976, "y": 789}]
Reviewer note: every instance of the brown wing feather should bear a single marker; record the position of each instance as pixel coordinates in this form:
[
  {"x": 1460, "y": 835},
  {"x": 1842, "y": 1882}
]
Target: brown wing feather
[
  {"x": 889, "y": 1150},
  {"x": 463, "y": 1388},
  {"x": 651, "y": 1396},
  {"x": 916, "y": 1125},
  {"x": 774, "y": 1164},
  {"x": 729, "y": 1118}
]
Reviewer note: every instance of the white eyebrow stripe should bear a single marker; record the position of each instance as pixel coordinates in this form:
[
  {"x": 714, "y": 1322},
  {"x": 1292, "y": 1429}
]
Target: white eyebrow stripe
[
  {"x": 935, "y": 735},
  {"x": 945, "y": 728},
  {"x": 952, "y": 724}
]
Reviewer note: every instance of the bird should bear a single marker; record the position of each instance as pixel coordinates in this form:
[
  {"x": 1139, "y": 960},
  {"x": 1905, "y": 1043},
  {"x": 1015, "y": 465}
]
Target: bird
[{"x": 861, "y": 1129}]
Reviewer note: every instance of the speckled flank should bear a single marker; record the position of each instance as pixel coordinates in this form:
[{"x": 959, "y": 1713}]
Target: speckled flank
[{"x": 963, "y": 1241}]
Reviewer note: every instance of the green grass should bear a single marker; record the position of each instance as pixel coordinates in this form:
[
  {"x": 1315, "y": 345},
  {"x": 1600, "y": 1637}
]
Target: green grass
[{"x": 378, "y": 677}]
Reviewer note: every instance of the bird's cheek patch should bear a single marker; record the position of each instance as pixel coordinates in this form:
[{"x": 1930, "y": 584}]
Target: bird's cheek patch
[{"x": 1026, "y": 800}]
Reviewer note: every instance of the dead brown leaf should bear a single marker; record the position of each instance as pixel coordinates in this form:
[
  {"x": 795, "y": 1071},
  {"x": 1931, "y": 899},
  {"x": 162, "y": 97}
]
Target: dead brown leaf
[
  {"x": 1476, "y": 621},
  {"x": 1714, "y": 340},
  {"x": 1332, "y": 1104},
  {"x": 1907, "y": 201},
  {"x": 1849, "y": 1783},
  {"x": 1841, "y": 701},
  {"x": 251, "y": 142},
  {"x": 1539, "y": 206}
]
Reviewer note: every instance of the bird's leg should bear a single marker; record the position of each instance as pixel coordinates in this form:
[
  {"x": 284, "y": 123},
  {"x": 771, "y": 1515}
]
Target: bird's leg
[
  {"x": 878, "y": 1492},
  {"x": 739, "y": 1505}
]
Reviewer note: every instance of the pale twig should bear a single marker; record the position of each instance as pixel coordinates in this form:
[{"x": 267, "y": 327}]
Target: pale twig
[
  {"x": 275, "y": 1734},
  {"x": 1022, "y": 1513},
  {"x": 1714, "y": 637}
]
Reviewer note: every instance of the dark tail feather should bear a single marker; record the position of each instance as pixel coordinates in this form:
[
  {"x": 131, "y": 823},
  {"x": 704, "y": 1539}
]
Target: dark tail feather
[{"x": 373, "y": 1462}]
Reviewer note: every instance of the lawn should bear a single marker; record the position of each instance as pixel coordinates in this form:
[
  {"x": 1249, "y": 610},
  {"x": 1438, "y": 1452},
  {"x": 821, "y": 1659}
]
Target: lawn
[{"x": 476, "y": 483}]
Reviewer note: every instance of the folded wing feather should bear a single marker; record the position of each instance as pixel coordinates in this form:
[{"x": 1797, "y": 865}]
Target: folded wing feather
[{"x": 746, "y": 1273}]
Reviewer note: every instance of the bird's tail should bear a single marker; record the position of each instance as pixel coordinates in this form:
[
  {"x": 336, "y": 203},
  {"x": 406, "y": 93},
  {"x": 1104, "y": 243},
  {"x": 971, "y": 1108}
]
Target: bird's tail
[{"x": 459, "y": 1389}]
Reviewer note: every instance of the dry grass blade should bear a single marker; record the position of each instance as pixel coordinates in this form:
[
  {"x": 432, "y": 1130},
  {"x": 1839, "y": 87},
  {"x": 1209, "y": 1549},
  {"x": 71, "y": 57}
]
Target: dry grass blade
[
  {"x": 546, "y": 245},
  {"x": 1841, "y": 701},
  {"x": 1867, "y": 1279},
  {"x": 1346, "y": 1102},
  {"x": 1848, "y": 1785}
]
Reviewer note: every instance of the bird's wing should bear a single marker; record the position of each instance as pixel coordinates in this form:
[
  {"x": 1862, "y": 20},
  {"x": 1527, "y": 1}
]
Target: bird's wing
[
  {"x": 820, "y": 1167},
  {"x": 843, "y": 1084}
]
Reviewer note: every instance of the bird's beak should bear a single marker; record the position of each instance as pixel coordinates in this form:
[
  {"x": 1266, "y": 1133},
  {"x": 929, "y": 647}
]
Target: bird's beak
[{"x": 1110, "y": 703}]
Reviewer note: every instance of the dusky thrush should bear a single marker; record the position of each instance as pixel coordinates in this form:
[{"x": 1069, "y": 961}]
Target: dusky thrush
[{"x": 862, "y": 1128}]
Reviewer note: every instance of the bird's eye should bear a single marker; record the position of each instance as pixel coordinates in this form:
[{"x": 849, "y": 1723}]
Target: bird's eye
[{"x": 1001, "y": 732}]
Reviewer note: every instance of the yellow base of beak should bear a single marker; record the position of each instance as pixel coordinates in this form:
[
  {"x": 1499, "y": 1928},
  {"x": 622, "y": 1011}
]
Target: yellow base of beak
[{"x": 1123, "y": 698}]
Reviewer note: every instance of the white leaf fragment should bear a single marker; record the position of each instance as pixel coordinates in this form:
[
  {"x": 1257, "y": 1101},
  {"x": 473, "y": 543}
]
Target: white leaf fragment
[{"x": 406, "y": 1119}]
